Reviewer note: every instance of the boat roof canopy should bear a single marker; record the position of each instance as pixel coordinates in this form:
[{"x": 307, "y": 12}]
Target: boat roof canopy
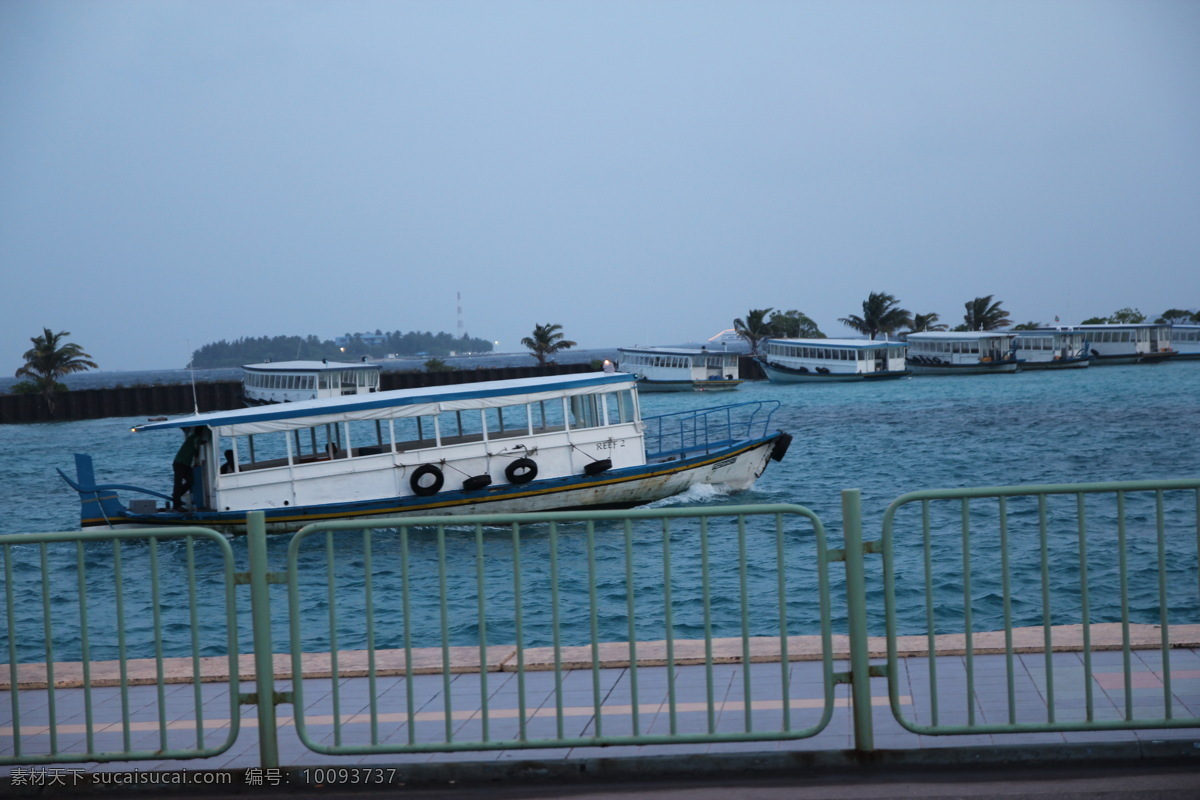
[
  {"x": 398, "y": 403},
  {"x": 309, "y": 366},
  {"x": 678, "y": 351},
  {"x": 852, "y": 344},
  {"x": 961, "y": 335}
]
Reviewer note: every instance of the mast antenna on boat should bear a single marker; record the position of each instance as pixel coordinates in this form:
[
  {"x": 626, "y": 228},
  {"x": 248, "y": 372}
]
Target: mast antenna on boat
[{"x": 192, "y": 369}]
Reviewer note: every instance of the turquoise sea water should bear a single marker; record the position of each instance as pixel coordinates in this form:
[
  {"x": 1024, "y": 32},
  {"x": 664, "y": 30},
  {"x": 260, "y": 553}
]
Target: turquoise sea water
[{"x": 1097, "y": 424}]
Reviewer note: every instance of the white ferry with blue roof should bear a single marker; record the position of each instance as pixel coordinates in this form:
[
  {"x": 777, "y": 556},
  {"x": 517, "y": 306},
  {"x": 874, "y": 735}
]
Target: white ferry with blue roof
[
  {"x": 962, "y": 352},
  {"x": 532, "y": 444},
  {"x": 827, "y": 360},
  {"x": 1120, "y": 343}
]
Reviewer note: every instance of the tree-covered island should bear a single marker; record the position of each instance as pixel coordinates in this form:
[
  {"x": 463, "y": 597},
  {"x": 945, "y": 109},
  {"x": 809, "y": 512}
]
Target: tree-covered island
[{"x": 350, "y": 347}]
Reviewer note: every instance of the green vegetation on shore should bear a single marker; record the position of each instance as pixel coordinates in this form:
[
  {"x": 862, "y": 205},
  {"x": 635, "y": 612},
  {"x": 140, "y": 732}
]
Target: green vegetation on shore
[{"x": 253, "y": 350}]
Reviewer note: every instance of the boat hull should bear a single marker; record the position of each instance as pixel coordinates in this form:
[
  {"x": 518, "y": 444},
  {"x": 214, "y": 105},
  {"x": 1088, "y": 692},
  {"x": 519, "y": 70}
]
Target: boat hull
[
  {"x": 964, "y": 369},
  {"x": 716, "y": 385},
  {"x": 1062, "y": 363},
  {"x": 1139, "y": 358},
  {"x": 735, "y": 467},
  {"x": 778, "y": 373}
]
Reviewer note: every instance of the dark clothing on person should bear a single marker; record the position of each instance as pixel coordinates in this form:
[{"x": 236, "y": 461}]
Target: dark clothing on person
[{"x": 182, "y": 466}]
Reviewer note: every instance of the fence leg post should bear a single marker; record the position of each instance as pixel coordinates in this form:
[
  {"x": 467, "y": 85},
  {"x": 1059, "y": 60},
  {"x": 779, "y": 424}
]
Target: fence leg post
[
  {"x": 264, "y": 661},
  {"x": 856, "y": 611}
]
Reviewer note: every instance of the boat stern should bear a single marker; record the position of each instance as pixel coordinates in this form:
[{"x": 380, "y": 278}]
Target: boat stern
[{"x": 99, "y": 507}]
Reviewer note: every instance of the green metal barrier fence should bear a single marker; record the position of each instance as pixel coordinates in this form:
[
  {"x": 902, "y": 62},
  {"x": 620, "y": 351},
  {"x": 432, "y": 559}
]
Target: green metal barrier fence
[
  {"x": 1081, "y": 557},
  {"x": 640, "y": 551},
  {"x": 516, "y": 594},
  {"x": 133, "y": 719}
]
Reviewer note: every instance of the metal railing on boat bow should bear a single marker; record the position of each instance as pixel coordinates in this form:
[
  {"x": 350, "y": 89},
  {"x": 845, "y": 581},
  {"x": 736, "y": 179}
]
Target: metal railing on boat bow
[{"x": 685, "y": 433}]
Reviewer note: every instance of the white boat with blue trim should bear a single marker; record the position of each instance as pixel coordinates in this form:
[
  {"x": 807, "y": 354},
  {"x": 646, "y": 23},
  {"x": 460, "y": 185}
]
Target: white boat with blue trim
[
  {"x": 1185, "y": 341},
  {"x": 1052, "y": 348},
  {"x": 681, "y": 369},
  {"x": 962, "y": 352},
  {"x": 294, "y": 381},
  {"x": 532, "y": 444},
  {"x": 1119, "y": 343},
  {"x": 828, "y": 360}
]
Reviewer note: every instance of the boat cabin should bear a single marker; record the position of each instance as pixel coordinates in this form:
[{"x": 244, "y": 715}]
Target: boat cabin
[
  {"x": 294, "y": 381},
  {"x": 815, "y": 360},
  {"x": 961, "y": 352},
  {"x": 668, "y": 369},
  {"x": 1144, "y": 343},
  {"x": 1052, "y": 348},
  {"x": 1185, "y": 341}
]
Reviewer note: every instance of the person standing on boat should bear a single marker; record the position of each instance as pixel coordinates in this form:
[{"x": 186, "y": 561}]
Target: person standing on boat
[{"x": 183, "y": 467}]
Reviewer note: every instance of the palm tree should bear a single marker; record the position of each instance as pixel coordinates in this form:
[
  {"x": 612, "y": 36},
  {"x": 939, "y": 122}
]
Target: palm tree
[
  {"x": 881, "y": 314},
  {"x": 984, "y": 315},
  {"x": 546, "y": 340},
  {"x": 925, "y": 322},
  {"x": 754, "y": 328},
  {"x": 794, "y": 324},
  {"x": 48, "y": 361}
]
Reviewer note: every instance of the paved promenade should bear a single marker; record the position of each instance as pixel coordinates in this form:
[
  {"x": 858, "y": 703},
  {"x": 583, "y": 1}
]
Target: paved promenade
[{"x": 454, "y": 706}]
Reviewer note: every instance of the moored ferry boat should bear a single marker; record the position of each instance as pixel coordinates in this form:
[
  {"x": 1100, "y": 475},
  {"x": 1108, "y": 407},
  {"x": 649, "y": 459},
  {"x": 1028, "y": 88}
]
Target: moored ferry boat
[
  {"x": 1142, "y": 343},
  {"x": 294, "y": 381},
  {"x": 1185, "y": 341},
  {"x": 679, "y": 369},
  {"x": 533, "y": 444},
  {"x": 1052, "y": 348},
  {"x": 961, "y": 352},
  {"x": 829, "y": 360}
]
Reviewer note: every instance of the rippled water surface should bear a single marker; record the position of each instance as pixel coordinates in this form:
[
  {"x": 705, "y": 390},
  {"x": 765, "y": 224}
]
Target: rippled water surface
[{"x": 1097, "y": 424}]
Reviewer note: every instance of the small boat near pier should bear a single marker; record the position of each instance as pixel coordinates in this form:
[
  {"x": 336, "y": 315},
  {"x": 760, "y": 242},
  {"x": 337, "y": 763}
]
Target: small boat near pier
[{"x": 832, "y": 360}]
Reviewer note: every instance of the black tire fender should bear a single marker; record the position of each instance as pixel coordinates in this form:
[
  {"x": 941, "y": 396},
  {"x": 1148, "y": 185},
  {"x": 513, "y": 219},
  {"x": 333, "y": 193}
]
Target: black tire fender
[
  {"x": 422, "y": 490},
  {"x": 523, "y": 470}
]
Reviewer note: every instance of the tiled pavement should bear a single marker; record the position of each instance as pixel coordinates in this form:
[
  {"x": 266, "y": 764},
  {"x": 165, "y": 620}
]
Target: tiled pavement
[{"x": 175, "y": 704}]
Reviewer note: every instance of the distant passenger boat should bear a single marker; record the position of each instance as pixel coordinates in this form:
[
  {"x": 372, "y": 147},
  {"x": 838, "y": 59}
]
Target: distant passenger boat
[
  {"x": 1143, "y": 343},
  {"x": 961, "y": 352},
  {"x": 829, "y": 360},
  {"x": 678, "y": 369},
  {"x": 1052, "y": 348},
  {"x": 294, "y": 381},
  {"x": 1185, "y": 341},
  {"x": 532, "y": 444}
]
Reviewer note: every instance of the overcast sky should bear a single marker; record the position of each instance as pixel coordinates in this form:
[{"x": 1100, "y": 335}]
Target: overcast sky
[{"x": 175, "y": 173}]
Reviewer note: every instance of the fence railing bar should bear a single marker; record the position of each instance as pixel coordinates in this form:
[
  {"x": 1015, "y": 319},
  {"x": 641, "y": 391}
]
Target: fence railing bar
[
  {"x": 519, "y": 630},
  {"x": 968, "y": 602},
  {"x": 10, "y": 614},
  {"x": 84, "y": 647},
  {"x": 1006, "y": 596},
  {"x": 406, "y": 603},
  {"x": 369, "y": 611},
  {"x": 706, "y": 592},
  {"x": 930, "y": 618},
  {"x": 119, "y": 589},
  {"x": 556, "y": 632},
  {"x": 744, "y": 592},
  {"x": 594, "y": 623},
  {"x": 669, "y": 622},
  {"x": 1160, "y": 527},
  {"x": 1047, "y": 620},
  {"x": 631, "y": 614},
  {"x": 48, "y": 632},
  {"x": 781, "y": 575},
  {"x": 1123, "y": 570},
  {"x": 194, "y": 620},
  {"x": 335, "y": 677},
  {"x": 444, "y": 616},
  {"x": 1085, "y": 606},
  {"x": 481, "y": 614},
  {"x": 156, "y": 620}
]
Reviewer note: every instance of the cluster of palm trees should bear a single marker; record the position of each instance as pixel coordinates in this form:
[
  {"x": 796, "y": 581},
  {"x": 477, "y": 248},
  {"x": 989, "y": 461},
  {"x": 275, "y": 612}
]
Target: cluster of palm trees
[{"x": 881, "y": 315}]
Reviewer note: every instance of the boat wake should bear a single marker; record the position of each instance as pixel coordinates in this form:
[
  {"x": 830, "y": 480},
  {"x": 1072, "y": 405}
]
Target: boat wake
[{"x": 696, "y": 494}]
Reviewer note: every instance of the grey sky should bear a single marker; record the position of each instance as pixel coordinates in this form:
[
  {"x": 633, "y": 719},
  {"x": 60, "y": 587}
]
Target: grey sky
[{"x": 641, "y": 172}]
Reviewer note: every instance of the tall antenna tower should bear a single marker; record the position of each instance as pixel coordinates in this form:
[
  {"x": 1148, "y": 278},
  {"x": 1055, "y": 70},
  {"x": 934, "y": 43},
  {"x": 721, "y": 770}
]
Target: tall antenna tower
[{"x": 461, "y": 330}]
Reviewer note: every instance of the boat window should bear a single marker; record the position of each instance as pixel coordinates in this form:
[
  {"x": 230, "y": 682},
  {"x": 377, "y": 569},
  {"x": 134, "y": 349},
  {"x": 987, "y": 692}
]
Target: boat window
[
  {"x": 619, "y": 407},
  {"x": 414, "y": 433},
  {"x": 507, "y": 421},
  {"x": 585, "y": 411},
  {"x": 457, "y": 427},
  {"x": 547, "y": 415}
]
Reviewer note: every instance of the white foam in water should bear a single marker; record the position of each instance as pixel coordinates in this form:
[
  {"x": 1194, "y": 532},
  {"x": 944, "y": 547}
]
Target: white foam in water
[{"x": 698, "y": 493}]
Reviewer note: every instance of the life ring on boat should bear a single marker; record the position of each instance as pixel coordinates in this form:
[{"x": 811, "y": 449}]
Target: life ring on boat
[
  {"x": 423, "y": 490},
  {"x": 523, "y": 470}
]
